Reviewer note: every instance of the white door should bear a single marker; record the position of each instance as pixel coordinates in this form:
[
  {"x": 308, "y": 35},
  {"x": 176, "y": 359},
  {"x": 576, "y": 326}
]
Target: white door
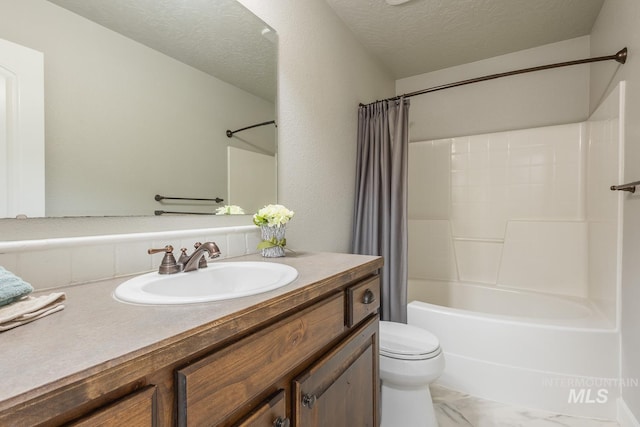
[{"x": 21, "y": 131}]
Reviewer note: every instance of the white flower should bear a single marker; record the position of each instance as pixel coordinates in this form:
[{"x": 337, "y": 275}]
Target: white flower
[
  {"x": 230, "y": 210},
  {"x": 273, "y": 216}
]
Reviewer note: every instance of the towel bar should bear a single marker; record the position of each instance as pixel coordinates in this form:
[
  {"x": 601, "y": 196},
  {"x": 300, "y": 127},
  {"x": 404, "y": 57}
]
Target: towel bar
[
  {"x": 159, "y": 212},
  {"x": 159, "y": 198}
]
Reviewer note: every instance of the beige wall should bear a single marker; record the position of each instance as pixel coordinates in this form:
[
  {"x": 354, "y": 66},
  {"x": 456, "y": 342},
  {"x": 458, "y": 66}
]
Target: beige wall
[
  {"x": 323, "y": 74},
  {"x": 519, "y": 102},
  {"x": 616, "y": 27},
  {"x": 124, "y": 122}
]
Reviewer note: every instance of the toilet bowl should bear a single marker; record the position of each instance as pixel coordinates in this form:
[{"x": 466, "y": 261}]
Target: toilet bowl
[{"x": 410, "y": 359}]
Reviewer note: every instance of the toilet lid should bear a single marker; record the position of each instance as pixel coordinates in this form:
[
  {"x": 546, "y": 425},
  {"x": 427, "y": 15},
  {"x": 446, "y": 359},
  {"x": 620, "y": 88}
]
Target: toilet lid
[{"x": 403, "y": 341}]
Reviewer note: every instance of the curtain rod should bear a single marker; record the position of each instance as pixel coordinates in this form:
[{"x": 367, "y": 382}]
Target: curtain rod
[
  {"x": 270, "y": 122},
  {"x": 620, "y": 56}
]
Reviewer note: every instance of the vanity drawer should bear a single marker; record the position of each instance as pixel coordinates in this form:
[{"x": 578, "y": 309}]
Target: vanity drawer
[
  {"x": 271, "y": 413},
  {"x": 216, "y": 386},
  {"x": 137, "y": 409},
  {"x": 363, "y": 299}
]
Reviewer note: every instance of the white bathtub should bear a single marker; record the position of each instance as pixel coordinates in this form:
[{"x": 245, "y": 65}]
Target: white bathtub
[{"x": 535, "y": 350}]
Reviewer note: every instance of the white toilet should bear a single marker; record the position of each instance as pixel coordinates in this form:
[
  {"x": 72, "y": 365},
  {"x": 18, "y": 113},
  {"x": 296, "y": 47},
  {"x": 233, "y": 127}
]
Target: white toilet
[{"x": 410, "y": 359}]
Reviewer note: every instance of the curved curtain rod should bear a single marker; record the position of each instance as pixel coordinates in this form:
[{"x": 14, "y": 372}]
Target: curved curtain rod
[
  {"x": 620, "y": 56},
  {"x": 231, "y": 132}
]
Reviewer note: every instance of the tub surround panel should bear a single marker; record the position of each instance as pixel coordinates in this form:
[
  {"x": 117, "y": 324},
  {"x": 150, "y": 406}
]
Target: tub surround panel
[
  {"x": 430, "y": 162},
  {"x": 605, "y": 152},
  {"x": 495, "y": 180},
  {"x": 532, "y": 173},
  {"x": 528, "y": 209},
  {"x": 546, "y": 257},
  {"x": 478, "y": 261},
  {"x": 431, "y": 252},
  {"x": 52, "y": 263}
]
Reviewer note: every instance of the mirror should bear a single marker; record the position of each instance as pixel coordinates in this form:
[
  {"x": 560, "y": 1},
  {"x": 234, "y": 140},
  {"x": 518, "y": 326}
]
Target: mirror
[{"x": 139, "y": 95}]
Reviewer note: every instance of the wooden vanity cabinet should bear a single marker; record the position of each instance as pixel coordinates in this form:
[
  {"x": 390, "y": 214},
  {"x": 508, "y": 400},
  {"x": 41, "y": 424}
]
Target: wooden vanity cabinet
[
  {"x": 329, "y": 370},
  {"x": 305, "y": 359}
]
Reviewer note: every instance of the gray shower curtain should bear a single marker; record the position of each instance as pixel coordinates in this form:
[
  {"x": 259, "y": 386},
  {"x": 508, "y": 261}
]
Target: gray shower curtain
[{"x": 380, "y": 214}]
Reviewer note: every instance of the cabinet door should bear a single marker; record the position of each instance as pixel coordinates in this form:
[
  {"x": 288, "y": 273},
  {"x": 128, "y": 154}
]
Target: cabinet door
[
  {"x": 341, "y": 389},
  {"x": 219, "y": 385},
  {"x": 272, "y": 413}
]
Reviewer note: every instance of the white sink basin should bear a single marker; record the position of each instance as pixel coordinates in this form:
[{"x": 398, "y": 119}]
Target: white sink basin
[{"x": 219, "y": 281}]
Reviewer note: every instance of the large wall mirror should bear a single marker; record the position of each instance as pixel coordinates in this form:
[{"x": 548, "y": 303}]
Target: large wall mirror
[{"x": 138, "y": 97}]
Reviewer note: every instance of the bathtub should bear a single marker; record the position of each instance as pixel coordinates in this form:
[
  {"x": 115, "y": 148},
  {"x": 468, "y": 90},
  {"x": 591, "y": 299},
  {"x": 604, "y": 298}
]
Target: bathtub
[{"x": 529, "y": 349}]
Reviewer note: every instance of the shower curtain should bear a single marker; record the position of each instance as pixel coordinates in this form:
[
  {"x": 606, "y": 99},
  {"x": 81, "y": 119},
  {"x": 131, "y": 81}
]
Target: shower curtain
[{"x": 380, "y": 213}]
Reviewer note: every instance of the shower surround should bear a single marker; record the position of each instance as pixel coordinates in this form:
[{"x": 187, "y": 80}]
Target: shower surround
[{"x": 528, "y": 215}]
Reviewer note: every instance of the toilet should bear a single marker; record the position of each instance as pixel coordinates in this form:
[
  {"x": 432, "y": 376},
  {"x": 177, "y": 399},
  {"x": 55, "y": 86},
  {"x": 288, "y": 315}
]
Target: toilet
[{"x": 410, "y": 359}]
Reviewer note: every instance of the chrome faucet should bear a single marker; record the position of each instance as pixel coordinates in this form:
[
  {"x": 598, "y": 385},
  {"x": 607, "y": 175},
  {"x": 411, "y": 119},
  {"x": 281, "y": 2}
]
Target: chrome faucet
[{"x": 192, "y": 262}]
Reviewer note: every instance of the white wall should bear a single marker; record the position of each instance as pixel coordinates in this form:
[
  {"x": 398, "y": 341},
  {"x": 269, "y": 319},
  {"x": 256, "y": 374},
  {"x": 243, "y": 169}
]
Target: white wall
[
  {"x": 323, "y": 73},
  {"x": 616, "y": 27},
  {"x": 124, "y": 122},
  {"x": 529, "y": 100}
]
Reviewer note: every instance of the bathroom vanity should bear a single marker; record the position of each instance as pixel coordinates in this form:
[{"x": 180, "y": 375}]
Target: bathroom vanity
[{"x": 303, "y": 355}]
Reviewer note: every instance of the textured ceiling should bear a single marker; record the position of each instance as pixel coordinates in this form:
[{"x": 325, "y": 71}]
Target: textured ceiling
[
  {"x": 219, "y": 37},
  {"x": 427, "y": 35}
]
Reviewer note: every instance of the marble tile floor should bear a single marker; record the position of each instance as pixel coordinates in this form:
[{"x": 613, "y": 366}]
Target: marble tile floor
[{"x": 454, "y": 409}]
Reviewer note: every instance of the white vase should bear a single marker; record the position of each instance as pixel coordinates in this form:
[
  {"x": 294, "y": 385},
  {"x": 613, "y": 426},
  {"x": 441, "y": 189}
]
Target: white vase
[{"x": 271, "y": 234}]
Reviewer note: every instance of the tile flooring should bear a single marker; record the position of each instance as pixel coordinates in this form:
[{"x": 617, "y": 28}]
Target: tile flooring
[{"x": 454, "y": 409}]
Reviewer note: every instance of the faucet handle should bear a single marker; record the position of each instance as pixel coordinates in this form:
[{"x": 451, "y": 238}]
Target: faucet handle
[
  {"x": 183, "y": 256},
  {"x": 167, "y": 249},
  {"x": 168, "y": 264}
]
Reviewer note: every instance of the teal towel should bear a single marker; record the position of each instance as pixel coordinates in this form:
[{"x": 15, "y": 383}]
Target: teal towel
[{"x": 12, "y": 288}]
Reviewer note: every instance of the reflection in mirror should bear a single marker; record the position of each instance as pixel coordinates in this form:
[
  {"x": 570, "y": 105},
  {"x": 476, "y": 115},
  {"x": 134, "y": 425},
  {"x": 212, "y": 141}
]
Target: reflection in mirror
[{"x": 139, "y": 95}]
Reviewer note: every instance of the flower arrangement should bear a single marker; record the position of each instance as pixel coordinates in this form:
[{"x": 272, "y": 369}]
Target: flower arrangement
[
  {"x": 272, "y": 216},
  {"x": 230, "y": 210},
  {"x": 272, "y": 220}
]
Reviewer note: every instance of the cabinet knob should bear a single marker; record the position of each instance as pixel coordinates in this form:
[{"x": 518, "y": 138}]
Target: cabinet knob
[
  {"x": 281, "y": 422},
  {"x": 309, "y": 400},
  {"x": 368, "y": 297}
]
